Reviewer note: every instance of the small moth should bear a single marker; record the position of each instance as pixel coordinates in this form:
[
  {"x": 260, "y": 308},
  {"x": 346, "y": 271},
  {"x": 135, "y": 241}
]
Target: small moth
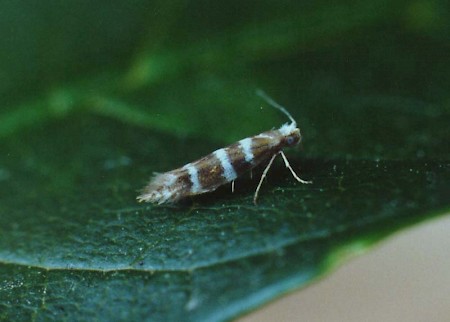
[{"x": 226, "y": 164}]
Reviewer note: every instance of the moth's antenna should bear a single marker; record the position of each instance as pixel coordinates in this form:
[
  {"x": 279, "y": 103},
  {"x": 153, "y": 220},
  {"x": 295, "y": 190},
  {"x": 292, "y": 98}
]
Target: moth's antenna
[{"x": 272, "y": 103}]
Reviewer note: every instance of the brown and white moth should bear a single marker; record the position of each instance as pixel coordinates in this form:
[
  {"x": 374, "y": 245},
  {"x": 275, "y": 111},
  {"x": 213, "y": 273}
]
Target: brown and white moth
[{"x": 226, "y": 164}]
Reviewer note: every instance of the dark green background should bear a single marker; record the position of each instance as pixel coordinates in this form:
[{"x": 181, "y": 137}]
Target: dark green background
[{"x": 98, "y": 95}]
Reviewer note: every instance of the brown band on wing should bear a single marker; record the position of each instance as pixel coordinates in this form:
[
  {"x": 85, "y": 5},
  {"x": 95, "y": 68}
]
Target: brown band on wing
[
  {"x": 237, "y": 159},
  {"x": 265, "y": 145},
  {"x": 210, "y": 172},
  {"x": 183, "y": 179}
]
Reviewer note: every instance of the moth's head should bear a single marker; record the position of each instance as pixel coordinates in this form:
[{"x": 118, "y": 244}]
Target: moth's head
[{"x": 291, "y": 134}]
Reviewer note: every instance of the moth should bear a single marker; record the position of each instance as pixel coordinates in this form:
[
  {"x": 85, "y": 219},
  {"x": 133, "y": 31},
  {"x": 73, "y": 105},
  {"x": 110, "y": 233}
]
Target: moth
[{"x": 226, "y": 164}]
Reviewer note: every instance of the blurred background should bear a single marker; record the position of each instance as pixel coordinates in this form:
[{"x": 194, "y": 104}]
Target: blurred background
[
  {"x": 333, "y": 63},
  {"x": 405, "y": 278}
]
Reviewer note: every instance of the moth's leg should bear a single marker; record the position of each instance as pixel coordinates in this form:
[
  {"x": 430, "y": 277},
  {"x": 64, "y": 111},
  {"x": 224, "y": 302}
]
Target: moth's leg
[
  {"x": 286, "y": 162},
  {"x": 232, "y": 186},
  {"x": 263, "y": 176}
]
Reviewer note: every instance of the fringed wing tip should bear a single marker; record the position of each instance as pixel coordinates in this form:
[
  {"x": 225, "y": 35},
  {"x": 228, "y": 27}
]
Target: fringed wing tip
[
  {"x": 143, "y": 198},
  {"x": 158, "y": 189},
  {"x": 153, "y": 197}
]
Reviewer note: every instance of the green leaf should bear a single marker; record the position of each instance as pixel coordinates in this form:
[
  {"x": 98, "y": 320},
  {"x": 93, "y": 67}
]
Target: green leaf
[{"x": 98, "y": 96}]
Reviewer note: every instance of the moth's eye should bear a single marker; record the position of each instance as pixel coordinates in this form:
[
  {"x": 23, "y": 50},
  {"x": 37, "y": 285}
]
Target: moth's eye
[{"x": 290, "y": 140}]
